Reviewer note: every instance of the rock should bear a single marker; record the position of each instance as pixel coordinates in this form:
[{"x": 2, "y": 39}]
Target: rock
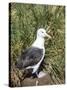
[{"x": 46, "y": 80}]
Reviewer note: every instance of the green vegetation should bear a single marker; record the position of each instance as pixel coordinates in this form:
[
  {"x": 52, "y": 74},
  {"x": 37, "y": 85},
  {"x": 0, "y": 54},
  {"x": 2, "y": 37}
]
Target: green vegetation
[{"x": 25, "y": 20}]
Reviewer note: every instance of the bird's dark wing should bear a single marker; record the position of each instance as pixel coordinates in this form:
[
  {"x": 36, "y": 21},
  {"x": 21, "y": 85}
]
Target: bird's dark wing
[{"x": 30, "y": 57}]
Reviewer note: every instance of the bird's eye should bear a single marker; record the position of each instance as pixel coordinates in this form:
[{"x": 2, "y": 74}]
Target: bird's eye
[{"x": 42, "y": 32}]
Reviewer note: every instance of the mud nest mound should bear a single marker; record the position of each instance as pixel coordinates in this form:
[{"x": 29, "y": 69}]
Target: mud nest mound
[{"x": 17, "y": 79}]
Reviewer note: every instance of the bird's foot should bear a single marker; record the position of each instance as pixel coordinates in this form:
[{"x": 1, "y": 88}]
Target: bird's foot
[{"x": 41, "y": 74}]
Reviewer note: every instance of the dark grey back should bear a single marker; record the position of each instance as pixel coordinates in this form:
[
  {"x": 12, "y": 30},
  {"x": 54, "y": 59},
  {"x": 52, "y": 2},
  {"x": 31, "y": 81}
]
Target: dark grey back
[{"x": 30, "y": 57}]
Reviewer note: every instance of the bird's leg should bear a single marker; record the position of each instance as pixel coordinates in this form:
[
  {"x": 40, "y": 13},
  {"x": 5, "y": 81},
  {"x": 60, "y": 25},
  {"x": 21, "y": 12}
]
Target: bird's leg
[
  {"x": 37, "y": 73},
  {"x": 37, "y": 82}
]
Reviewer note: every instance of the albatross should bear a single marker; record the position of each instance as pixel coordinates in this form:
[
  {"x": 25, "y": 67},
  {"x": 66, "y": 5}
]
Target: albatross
[{"x": 32, "y": 57}]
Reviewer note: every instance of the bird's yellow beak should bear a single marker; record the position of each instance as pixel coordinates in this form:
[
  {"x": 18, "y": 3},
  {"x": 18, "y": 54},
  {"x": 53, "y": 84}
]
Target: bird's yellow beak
[{"x": 48, "y": 36}]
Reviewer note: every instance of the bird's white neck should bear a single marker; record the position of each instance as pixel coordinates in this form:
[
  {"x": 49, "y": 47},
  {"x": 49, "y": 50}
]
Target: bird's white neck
[{"x": 39, "y": 42}]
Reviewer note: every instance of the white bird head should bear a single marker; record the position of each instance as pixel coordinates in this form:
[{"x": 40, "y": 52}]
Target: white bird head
[{"x": 42, "y": 33}]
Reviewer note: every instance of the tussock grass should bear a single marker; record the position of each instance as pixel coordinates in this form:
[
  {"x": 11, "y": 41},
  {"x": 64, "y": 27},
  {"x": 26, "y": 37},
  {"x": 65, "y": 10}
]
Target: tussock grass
[{"x": 25, "y": 20}]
